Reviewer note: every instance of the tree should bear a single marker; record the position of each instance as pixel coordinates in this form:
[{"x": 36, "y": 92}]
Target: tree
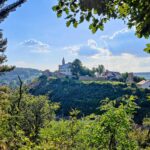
[
  {"x": 114, "y": 125},
  {"x": 98, "y": 12},
  {"x": 31, "y": 114},
  {"x": 5, "y": 10},
  {"x": 142, "y": 134},
  {"x": 79, "y": 70},
  {"x": 76, "y": 68},
  {"x": 22, "y": 118},
  {"x": 3, "y": 43},
  {"x": 99, "y": 70},
  {"x": 107, "y": 131}
]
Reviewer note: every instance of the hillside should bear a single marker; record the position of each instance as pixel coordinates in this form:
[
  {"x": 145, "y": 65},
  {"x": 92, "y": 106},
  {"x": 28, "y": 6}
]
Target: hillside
[
  {"x": 87, "y": 96},
  {"x": 26, "y": 74}
]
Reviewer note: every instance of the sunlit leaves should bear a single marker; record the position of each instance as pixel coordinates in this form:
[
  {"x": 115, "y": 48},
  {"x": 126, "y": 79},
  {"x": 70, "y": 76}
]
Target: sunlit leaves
[
  {"x": 68, "y": 23},
  {"x": 135, "y": 14},
  {"x": 147, "y": 49}
]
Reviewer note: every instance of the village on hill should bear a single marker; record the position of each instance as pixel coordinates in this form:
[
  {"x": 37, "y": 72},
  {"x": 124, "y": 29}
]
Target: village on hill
[{"x": 72, "y": 71}]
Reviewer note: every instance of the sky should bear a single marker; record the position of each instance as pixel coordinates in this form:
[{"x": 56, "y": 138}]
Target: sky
[{"x": 38, "y": 39}]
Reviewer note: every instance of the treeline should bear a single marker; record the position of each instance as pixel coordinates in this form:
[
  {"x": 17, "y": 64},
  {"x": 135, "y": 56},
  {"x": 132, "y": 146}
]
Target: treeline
[
  {"x": 87, "y": 96},
  {"x": 29, "y": 122},
  {"x": 78, "y": 69},
  {"x": 26, "y": 75}
]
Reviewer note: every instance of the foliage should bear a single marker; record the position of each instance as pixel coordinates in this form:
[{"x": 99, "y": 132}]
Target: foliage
[
  {"x": 86, "y": 96},
  {"x": 98, "y": 12},
  {"x": 28, "y": 122},
  {"x": 78, "y": 69},
  {"x": 108, "y": 131},
  {"x": 142, "y": 134},
  {"x": 6, "y": 9},
  {"x": 3, "y": 43},
  {"x": 115, "y": 124},
  {"x": 23, "y": 115},
  {"x": 99, "y": 70},
  {"x": 136, "y": 78},
  {"x": 147, "y": 49}
]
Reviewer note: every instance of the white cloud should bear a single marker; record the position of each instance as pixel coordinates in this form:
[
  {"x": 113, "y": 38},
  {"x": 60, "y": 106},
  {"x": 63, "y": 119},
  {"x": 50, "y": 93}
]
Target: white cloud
[
  {"x": 92, "y": 43},
  {"x": 124, "y": 62},
  {"x": 72, "y": 49},
  {"x": 36, "y": 46},
  {"x": 124, "y": 41},
  {"x": 123, "y": 31},
  {"x": 115, "y": 56},
  {"x": 115, "y": 34},
  {"x": 91, "y": 49},
  {"x": 93, "y": 53}
]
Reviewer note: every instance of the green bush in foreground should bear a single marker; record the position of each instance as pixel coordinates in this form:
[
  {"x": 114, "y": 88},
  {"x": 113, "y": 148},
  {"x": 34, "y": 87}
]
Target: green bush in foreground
[{"x": 28, "y": 122}]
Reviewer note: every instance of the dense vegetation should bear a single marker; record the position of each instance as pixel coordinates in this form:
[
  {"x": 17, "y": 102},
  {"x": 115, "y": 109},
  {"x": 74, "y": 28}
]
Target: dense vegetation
[
  {"x": 26, "y": 74},
  {"x": 28, "y": 122},
  {"x": 78, "y": 69},
  {"x": 87, "y": 96}
]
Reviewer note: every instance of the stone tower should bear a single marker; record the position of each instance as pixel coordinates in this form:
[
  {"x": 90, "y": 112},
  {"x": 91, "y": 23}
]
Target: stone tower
[
  {"x": 130, "y": 78},
  {"x": 63, "y": 61}
]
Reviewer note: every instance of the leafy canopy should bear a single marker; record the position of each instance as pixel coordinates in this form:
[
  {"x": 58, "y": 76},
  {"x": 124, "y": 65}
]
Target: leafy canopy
[{"x": 135, "y": 13}]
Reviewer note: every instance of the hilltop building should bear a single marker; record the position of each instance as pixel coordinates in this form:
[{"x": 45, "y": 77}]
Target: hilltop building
[
  {"x": 111, "y": 75},
  {"x": 65, "y": 68},
  {"x": 145, "y": 84},
  {"x": 47, "y": 73}
]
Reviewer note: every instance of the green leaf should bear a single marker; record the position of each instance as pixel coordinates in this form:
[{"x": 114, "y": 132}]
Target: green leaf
[
  {"x": 88, "y": 16},
  {"x": 55, "y": 8},
  {"x": 69, "y": 16},
  {"x": 101, "y": 27},
  {"x": 95, "y": 11},
  {"x": 66, "y": 10},
  {"x": 91, "y": 26},
  {"x": 94, "y": 29},
  {"x": 75, "y": 24},
  {"x": 147, "y": 49},
  {"x": 81, "y": 19},
  {"x": 68, "y": 23},
  {"x": 59, "y": 13}
]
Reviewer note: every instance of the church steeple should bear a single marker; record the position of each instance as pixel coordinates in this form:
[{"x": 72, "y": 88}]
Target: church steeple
[{"x": 63, "y": 61}]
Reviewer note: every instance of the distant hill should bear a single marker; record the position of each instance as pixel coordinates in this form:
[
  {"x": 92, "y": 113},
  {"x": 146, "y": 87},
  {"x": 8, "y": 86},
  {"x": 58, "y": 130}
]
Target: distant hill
[
  {"x": 146, "y": 75},
  {"x": 26, "y": 75}
]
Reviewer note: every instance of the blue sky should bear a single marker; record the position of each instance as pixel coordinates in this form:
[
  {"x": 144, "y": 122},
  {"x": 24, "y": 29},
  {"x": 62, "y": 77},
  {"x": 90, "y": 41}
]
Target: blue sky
[{"x": 38, "y": 39}]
